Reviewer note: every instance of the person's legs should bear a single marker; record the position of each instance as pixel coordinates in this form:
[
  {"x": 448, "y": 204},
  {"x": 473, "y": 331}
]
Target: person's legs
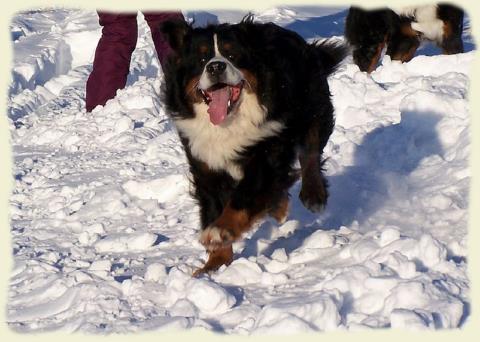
[
  {"x": 154, "y": 21},
  {"x": 112, "y": 57}
]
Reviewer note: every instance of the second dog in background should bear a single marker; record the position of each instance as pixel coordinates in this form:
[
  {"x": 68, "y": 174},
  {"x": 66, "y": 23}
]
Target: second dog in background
[{"x": 401, "y": 32}]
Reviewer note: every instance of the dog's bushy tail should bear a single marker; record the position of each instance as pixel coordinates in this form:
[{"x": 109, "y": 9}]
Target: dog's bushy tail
[{"x": 330, "y": 53}]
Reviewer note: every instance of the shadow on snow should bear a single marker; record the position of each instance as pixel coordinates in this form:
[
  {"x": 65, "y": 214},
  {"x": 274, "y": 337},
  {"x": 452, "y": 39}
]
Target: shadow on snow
[{"x": 382, "y": 164}]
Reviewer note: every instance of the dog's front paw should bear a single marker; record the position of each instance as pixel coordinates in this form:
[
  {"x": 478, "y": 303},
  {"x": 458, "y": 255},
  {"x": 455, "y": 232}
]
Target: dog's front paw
[
  {"x": 214, "y": 237},
  {"x": 216, "y": 258}
]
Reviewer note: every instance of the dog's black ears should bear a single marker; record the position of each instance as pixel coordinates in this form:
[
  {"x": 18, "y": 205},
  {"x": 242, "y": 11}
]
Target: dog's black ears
[{"x": 175, "y": 32}]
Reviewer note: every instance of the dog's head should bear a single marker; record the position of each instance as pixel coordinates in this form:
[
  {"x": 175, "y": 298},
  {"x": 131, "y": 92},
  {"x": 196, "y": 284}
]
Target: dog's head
[{"x": 212, "y": 64}]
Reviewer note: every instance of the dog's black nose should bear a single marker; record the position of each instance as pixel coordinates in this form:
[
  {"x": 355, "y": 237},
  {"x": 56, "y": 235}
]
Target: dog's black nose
[{"x": 216, "y": 68}]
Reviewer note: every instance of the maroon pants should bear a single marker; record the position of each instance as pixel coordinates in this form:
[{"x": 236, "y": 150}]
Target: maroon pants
[{"x": 114, "y": 50}]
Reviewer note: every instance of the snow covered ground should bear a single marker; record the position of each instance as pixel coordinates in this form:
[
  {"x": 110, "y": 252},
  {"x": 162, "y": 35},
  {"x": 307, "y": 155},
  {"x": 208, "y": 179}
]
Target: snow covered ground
[{"x": 105, "y": 234}]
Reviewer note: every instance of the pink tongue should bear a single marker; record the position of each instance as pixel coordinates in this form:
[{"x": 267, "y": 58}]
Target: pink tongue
[{"x": 218, "y": 105}]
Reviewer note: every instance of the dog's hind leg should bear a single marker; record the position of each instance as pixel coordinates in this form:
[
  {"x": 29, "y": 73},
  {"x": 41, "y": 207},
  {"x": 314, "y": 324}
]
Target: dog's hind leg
[
  {"x": 280, "y": 211},
  {"x": 452, "y": 40},
  {"x": 452, "y": 17},
  {"x": 314, "y": 192}
]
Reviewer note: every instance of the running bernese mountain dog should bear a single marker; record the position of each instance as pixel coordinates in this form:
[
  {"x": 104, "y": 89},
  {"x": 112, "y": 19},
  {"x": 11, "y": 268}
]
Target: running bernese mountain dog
[
  {"x": 248, "y": 100},
  {"x": 401, "y": 31}
]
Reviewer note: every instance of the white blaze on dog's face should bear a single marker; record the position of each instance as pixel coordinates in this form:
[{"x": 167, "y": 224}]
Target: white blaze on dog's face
[
  {"x": 221, "y": 85},
  {"x": 228, "y": 114},
  {"x": 231, "y": 75}
]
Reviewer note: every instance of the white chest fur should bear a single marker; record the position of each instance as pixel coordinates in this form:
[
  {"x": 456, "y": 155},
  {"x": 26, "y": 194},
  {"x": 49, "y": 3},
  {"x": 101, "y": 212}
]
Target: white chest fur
[{"x": 219, "y": 146}]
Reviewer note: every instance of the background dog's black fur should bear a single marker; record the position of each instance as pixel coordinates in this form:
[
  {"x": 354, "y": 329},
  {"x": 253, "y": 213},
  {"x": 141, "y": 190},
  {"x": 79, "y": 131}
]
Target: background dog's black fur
[
  {"x": 453, "y": 15},
  {"x": 365, "y": 30},
  {"x": 291, "y": 82}
]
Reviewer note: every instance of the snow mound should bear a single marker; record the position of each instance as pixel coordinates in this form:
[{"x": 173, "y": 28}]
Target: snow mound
[
  {"x": 163, "y": 190},
  {"x": 124, "y": 243},
  {"x": 209, "y": 297},
  {"x": 291, "y": 315}
]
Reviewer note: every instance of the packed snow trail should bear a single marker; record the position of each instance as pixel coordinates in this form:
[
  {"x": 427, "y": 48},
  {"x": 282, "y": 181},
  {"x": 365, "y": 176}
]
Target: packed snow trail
[{"x": 104, "y": 232}]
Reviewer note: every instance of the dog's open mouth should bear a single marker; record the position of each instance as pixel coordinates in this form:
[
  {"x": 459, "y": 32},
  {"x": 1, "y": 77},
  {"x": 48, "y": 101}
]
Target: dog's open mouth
[{"x": 221, "y": 98}]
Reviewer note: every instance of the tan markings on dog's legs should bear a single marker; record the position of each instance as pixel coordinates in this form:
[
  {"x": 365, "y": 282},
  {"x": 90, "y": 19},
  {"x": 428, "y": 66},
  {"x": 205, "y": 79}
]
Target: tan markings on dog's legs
[
  {"x": 211, "y": 238},
  {"x": 447, "y": 30},
  {"x": 235, "y": 221},
  {"x": 376, "y": 58},
  {"x": 450, "y": 44},
  {"x": 216, "y": 258},
  {"x": 228, "y": 227},
  {"x": 280, "y": 213}
]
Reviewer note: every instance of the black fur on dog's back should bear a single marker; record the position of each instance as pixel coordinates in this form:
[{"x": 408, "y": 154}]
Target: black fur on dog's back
[
  {"x": 327, "y": 52},
  {"x": 286, "y": 60}
]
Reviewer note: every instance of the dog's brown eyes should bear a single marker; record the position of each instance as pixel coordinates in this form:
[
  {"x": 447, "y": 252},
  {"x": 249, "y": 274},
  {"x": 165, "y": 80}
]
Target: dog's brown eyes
[
  {"x": 231, "y": 56},
  {"x": 203, "y": 60}
]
